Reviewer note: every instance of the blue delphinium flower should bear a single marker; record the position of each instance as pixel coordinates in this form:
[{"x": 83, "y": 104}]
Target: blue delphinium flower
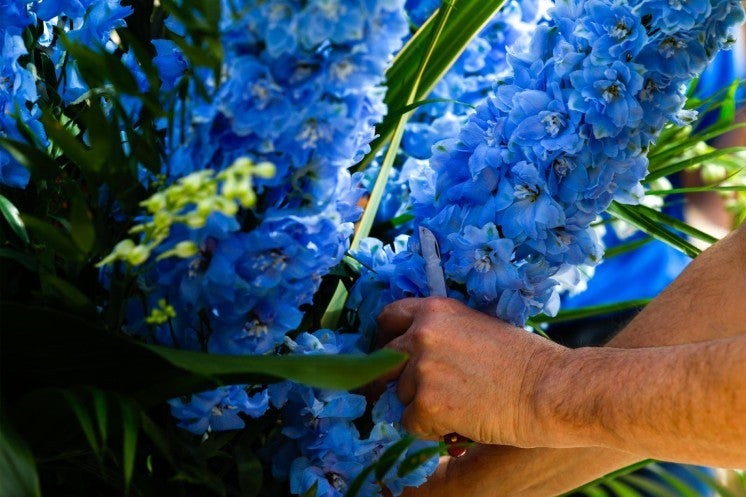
[
  {"x": 561, "y": 137},
  {"x": 219, "y": 410},
  {"x": 303, "y": 91},
  {"x": 86, "y": 21}
]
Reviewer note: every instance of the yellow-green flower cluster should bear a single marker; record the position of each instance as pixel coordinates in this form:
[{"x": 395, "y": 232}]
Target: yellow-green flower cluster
[{"x": 190, "y": 201}]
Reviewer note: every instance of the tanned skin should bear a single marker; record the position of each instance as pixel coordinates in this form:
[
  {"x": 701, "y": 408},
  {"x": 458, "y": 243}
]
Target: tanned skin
[{"x": 546, "y": 418}]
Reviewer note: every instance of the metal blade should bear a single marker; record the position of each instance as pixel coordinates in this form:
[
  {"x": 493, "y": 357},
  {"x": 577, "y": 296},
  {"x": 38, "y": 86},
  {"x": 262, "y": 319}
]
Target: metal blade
[{"x": 436, "y": 281}]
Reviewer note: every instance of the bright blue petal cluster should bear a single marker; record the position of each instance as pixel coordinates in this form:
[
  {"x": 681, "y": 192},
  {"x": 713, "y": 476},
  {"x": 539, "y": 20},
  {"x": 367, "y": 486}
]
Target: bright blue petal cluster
[
  {"x": 319, "y": 443},
  {"x": 563, "y": 136},
  {"x": 467, "y": 83},
  {"x": 512, "y": 198},
  {"x": 86, "y": 21},
  {"x": 301, "y": 89}
]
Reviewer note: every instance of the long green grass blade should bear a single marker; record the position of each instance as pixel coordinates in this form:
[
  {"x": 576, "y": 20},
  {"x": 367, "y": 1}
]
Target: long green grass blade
[
  {"x": 590, "y": 311},
  {"x": 334, "y": 309},
  {"x": 682, "y": 146},
  {"x": 84, "y": 419},
  {"x": 467, "y": 19},
  {"x": 610, "y": 476},
  {"x": 88, "y": 354},
  {"x": 677, "y": 224},
  {"x": 339, "y": 371},
  {"x": 659, "y": 171},
  {"x": 682, "y": 488},
  {"x": 130, "y": 430},
  {"x": 18, "y": 475},
  {"x": 621, "y": 489},
  {"x": 698, "y": 189},
  {"x": 13, "y": 217},
  {"x": 633, "y": 216},
  {"x": 418, "y": 458},
  {"x": 390, "y": 456},
  {"x": 650, "y": 487}
]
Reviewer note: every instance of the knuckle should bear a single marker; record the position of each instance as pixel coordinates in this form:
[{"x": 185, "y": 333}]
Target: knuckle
[
  {"x": 422, "y": 336},
  {"x": 435, "y": 304}
]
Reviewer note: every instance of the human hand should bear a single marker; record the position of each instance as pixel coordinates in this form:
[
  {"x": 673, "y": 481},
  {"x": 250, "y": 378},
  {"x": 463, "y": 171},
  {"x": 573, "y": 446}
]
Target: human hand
[{"x": 467, "y": 372}]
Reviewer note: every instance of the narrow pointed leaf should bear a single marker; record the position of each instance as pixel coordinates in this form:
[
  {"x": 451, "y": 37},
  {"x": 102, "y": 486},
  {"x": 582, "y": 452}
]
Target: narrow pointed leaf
[
  {"x": 391, "y": 455},
  {"x": 644, "y": 224},
  {"x": 83, "y": 415},
  {"x": 18, "y": 475},
  {"x": 86, "y": 354},
  {"x": 590, "y": 311},
  {"x": 250, "y": 471},
  {"x": 417, "y": 459},
  {"x": 657, "y": 172},
  {"x": 467, "y": 19},
  {"x": 672, "y": 222},
  {"x": 130, "y": 431},
  {"x": 13, "y": 217},
  {"x": 357, "y": 484},
  {"x": 621, "y": 489}
]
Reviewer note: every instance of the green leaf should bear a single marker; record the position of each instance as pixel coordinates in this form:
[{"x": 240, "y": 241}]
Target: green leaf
[
  {"x": 659, "y": 171},
  {"x": 636, "y": 217},
  {"x": 651, "y": 487},
  {"x": 626, "y": 247},
  {"x": 250, "y": 471},
  {"x": 680, "y": 147},
  {"x": 417, "y": 459},
  {"x": 672, "y": 222},
  {"x": 55, "y": 240},
  {"x": 26, "y": 260},
  {"x": 78, "y": 406},
  {"x": 590, "y": 311},
  {"x": 13, "y": 217},
  {"x": 466, "y": 20},
  {"x": 70, "y": 145},
  {"x": 428, "y": 45},
  {"x": 621, "y": 489},
  {"x": 391, "y": 455},
  {"x": 680, "y": 487},
  {"x": 359, "y": 481},
  {"x": 130, "y": 430},
  {"x": 101, "y": 411},
  {"x": 88, "y": 354},
  {"x": 18, "y": 476},
  {"x": 67, "y": 293},
  {"x": 339, "y": 372},
  {"x": 594, "y": 492},
  {"x": 81, "y": 223},
  {"x": 157, "y": 437},
  {"x": 610, "y": 476}
]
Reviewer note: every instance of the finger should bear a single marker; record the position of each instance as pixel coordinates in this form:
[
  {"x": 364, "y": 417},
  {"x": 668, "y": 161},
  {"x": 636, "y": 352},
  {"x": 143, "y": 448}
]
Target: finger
[
  {"x": 406, "y": 387},
  {"x": 396, "y": 318},
  {"x": 411, "y": 421},
  {"x": 399, "y": 344},
  {"x": 375, "y": 388}
]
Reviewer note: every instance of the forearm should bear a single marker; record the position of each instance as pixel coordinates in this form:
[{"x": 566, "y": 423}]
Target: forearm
[
  {"x": 681, "y": 403},
  {"x": 696, "y": 306},
  {"x": 682, "y": 314},
  {"x": 503, "y": 471}
]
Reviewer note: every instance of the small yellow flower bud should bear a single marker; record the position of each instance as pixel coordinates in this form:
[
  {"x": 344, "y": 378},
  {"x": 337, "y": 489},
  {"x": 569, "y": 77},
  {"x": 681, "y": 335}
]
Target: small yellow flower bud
[
  {"x": 265, "y": 170},
  {"x": 138, "y": 255}
]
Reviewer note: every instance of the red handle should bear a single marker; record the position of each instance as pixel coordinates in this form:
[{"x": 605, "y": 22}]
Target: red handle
[{"x": 456, "y": 444}]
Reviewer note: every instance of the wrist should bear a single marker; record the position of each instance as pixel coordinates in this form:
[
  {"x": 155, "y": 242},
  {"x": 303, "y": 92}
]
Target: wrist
[{"x": 572, "y": 413}]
